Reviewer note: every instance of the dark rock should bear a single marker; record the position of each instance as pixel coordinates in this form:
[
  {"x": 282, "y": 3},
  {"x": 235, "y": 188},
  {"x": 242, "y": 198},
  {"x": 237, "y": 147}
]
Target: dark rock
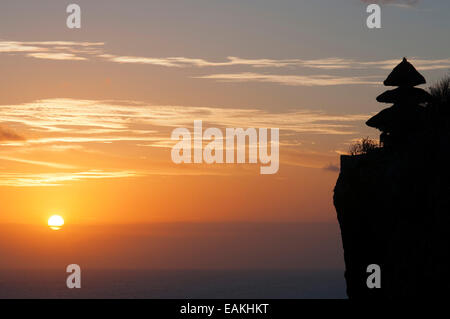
[{"x": 394, "y": 210}]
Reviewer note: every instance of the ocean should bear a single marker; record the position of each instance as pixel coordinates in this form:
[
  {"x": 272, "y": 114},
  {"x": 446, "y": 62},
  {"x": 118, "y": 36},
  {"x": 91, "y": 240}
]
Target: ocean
[{"x": 185, "y": 284}]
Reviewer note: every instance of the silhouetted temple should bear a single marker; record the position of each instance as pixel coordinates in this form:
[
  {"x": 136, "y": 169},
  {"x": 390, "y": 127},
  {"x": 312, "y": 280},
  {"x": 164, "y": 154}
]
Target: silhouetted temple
[
  {"x": 403, "y": 120},
  {"x": 393, "y": 203}
]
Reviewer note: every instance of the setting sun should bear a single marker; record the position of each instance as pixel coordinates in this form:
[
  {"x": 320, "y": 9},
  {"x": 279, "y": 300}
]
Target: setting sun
[{"x": 55, "y": 222}]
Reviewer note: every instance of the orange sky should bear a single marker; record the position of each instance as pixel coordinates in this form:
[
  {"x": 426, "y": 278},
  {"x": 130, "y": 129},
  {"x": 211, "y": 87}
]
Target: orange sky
[
  {"x": 86, "y": 118},
  {"x": 75, "y": 140},
  {"x": 108, "y": 161}
]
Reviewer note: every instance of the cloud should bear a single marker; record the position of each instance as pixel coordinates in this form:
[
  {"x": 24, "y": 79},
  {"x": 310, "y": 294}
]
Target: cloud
[
  {"x": 39, "y": 46},
  {"x": 66, "y": 43},
  {"x": 143, "y": 60},
  {"x": 52, "y": 50},
  {"x": 425, "y": 65},
  {"x": 57, "y": 179},
  {"x": 63, "y": 121},
  {"x": 138, "y": 130},
  {"x": 230, "y": 61},
  {"x": 332, "y": 168},
  {"x": 322, "y": 64},
  {"x": 40, "y": 163},
  {"x": 389, "y": 64},
  {"x": 12, "y": 47},
  {"x": 55, "y": 56},
  {"x": 394, "y": 2},
  {"x": 8, "y": 135},
  {"x": 292, "y": 80},
  {"x": 83, "y": 51}
]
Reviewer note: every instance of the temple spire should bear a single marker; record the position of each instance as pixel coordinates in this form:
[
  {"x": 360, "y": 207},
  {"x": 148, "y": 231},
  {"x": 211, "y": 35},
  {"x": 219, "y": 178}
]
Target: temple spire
[{"x": 405, "y": 116}]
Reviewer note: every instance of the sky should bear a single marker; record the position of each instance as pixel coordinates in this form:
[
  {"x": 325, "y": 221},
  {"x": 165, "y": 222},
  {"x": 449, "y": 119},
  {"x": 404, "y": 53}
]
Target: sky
[{"x": 86, "y": 114}]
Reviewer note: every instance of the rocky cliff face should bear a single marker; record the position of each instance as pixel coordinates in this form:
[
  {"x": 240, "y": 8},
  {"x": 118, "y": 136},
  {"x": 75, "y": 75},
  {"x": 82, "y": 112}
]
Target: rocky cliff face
[{"x": 393, "y": 208}]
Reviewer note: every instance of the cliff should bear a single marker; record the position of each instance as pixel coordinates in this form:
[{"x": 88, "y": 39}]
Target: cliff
[
  {"x": 393, "y": 208},
  {"x": 393, "y": 201}
]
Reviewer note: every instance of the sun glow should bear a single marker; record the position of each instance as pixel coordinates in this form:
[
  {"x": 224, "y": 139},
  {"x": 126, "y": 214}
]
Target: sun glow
[{"x": 55, "y": 222}]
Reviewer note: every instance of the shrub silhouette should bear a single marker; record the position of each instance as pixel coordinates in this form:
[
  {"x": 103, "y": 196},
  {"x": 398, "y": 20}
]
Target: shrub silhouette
[
  {"x": 364, "y": 146},
  {"x": 441, "y": 91}
]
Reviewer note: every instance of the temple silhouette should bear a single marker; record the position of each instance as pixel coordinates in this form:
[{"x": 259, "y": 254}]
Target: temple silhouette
[
  {"x": 405, "y": 118},
  {"x": 392, "y": 201}
]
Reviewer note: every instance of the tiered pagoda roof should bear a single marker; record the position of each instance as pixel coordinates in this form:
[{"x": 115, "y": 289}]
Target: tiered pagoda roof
[{"x": 407, "y": 111}]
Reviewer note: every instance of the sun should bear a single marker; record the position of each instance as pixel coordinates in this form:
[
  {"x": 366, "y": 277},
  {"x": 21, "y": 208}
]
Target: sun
[{"x": 55, "y": 222}]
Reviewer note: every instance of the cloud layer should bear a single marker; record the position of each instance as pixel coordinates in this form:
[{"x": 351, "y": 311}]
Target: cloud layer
[
  {"x": 110, "y": 130},
  {"x": 292, "y": 80},
  {"x": 56, "y": 179},
  {"x": 95, "y": 51},
  {"x": 84, "y": 121}
]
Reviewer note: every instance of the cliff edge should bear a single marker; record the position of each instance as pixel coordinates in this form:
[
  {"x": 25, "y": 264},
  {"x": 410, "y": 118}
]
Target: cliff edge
[{"x": 393, "y": 208}]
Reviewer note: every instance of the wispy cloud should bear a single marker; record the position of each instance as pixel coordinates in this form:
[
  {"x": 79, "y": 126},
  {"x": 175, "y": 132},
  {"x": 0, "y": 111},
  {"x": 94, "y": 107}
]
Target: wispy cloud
[
  {"x": 82, "y": 51},
  {"x": 324, "y": 63},
  {"x": 332, "y": 168},
  {"x": 230, "y": 61},
  {"x": 57, "y": 179},
  {"x": 403, "y": 4},
  {"x": 13, "y": 46},
  {"x": 90, "y": 126},
  {"x": 52, "y": 50},
  {"x": 393, "y": 2},
  {"x": 40, "y": 163},
  {"x": 292, "y": 80},
  {"x": 87, "y": 121},
  {"x": 56, "y": 56}
]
